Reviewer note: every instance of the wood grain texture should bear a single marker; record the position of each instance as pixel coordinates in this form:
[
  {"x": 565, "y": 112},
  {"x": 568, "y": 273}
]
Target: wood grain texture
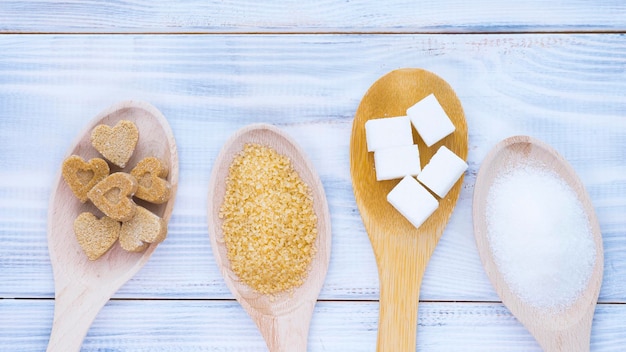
[
  {"x": 566, "y": 329},
  {"x": 182, "y": 325},
  {"x": 283, "y": 317},
  {"x": 83, "y": 286},
  {"x": 567, "y": 90},
  {"x": 197, "y": 16},
  {"x": 402, "y": 251}
]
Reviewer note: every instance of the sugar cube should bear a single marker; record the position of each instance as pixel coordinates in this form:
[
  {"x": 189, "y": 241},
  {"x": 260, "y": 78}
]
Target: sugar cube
[
  {"x": 388, "y": 132},
  {"x": 397, "y": 162},
  {"x": 412, "y": 200},
  {"x": 430, "y": 120},
  {"x": 442, "y": 171}
]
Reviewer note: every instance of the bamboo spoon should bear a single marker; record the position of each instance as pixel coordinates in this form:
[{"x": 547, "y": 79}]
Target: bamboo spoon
[
  {"x": 82, "y": 287},
  {"x": 282, "y": 319},
  {"x": 564, "y": 330},
  {"x": 401, "y": 250}
]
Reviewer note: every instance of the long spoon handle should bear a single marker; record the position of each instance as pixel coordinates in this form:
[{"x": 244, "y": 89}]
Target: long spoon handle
[
  {"x": 288, "y": 332},
  {"x": 400, "y": 268},
  {"x": 75, "y": 307}
]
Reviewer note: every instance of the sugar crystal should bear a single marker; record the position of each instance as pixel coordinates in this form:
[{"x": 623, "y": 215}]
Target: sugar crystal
[
  {"x": 412, "y": 200},
  {"x": 540, "y": 236},
  {"x": 388, "y": 132}
]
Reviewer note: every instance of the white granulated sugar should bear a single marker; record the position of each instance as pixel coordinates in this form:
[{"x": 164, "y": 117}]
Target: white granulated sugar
[{"x": 540, "y": 236}]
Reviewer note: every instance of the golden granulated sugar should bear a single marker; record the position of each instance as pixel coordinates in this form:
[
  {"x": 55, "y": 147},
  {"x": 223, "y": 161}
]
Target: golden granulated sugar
[{"x": 269, "y": 225}]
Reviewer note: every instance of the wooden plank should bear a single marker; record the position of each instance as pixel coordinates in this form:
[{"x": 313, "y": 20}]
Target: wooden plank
[
  {"x": 336, "y": 326},
  {"x": 567, "y": 90},
  {"x": 397, "y": 16}
]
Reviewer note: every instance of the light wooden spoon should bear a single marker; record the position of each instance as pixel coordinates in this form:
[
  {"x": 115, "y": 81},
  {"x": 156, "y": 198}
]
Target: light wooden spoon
[
  {"x": 283, "y": 319},
  {"x": 564, "y": 330},
  {"x": 82, "y": 287},
  {"x": 401, "y": 250}
]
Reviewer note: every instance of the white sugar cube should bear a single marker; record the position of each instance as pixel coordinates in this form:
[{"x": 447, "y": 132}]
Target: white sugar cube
[
  {"x": 412, "y": 200},
  {"x": 442, "y": 171},
  {"x": 388, "y": 132},
  {"x": 430, "y": 120},
  {"x": 397, "y": 162}
]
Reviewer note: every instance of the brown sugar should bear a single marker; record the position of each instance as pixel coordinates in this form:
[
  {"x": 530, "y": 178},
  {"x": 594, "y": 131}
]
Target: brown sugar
[
  {"x": 269, "y": 222},
  {"x": 95, "y": 236},
  {"x": 150, "y": 173},
  {"x": 116, "y": 143},
  {"x": 144, "y": 228},
  {"x": 82, "y": 175},
  {"x": 113, "y": 196}
]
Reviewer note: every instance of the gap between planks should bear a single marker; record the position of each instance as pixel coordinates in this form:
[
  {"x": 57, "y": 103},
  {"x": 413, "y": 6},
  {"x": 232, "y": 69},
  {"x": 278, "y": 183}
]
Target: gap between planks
[
  {"x": 294, "y": 33},
  {"x": 232, "y": 300}
]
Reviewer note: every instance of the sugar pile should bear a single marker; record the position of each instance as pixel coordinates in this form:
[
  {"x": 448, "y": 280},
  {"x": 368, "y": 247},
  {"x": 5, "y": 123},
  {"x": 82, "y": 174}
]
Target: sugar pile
[{"x": 540, "y": 236}]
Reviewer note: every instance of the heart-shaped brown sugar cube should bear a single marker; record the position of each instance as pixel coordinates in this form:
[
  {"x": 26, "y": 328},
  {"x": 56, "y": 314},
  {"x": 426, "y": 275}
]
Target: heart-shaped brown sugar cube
[
  {"x": 81, "y": 175},
  {"x": 95, "y": 236},
  {"x": 143, "y": 229},
  {"x": 113, "y": 196},
  {"x": 150, "y": 173},
  {"x": 116, "y": 143}
]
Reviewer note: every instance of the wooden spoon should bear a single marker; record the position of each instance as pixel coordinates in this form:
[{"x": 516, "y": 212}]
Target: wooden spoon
[
  {"x": 401, "y": 250},
  {"x": 555, "y": 330},
  {"x": 284, "y": 318},
  {"x": 82, "y": 287}
]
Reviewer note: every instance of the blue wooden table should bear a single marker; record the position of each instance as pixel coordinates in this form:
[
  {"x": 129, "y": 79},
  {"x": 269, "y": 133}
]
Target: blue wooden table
[{"x": 552, "y": 70}]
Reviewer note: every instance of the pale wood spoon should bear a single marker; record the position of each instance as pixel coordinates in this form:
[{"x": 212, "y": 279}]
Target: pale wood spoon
[
  {"x": 401, "y": 250},
  {"x": 556, "y": 330},
  {"x": 82, "y": 286},
  {"x": 283, "y": 319}
]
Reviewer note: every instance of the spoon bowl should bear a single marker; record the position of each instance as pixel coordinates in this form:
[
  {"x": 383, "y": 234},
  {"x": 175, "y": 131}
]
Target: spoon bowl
[
  {"x": 565, "y": 329},
  {"x": 283, "y": 318},
  {"x": 82, "y": 286},
  {"x": 401, "y": 250}
]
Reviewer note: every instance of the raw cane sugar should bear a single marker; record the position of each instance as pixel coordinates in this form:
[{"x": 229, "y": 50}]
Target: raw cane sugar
[
  {"x": 81, "y": 175},
  {"x": 116, "y": 143},
  {"x": 150, "y": 174},
  {"x": 269, "y": 223},
  {"x": 95, "y": 236},
  {"x": 540, "y": 236},
  {"x": 113, "y": 196},
  {"x": 143, "y": 229}
]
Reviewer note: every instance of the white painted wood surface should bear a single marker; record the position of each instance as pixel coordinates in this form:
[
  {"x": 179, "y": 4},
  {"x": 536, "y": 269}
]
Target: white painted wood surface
[
  {"x": 567, "y": 89},
  {"x": 190, "y": 325},
  {"x": 565, "y": 329},
  {"x": 289, "y": 16},
  {"x": 83, "y": 286}
]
